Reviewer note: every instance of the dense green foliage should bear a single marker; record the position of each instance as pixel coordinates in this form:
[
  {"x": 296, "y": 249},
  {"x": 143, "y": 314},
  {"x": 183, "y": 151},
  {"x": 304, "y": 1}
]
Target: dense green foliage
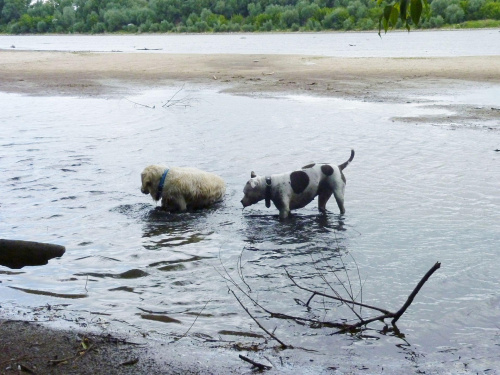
[{"x": 98, "y": 16}]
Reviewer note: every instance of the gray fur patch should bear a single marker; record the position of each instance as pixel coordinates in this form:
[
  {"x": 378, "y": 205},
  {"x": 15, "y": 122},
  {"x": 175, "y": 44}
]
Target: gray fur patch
[
  {"x": 299, "y": 181},
  {"x": 327, "y": 170}
]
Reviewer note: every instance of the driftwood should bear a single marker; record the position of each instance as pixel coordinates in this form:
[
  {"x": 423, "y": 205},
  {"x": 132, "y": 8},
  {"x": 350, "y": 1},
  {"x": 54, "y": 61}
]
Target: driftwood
[{"x": 17, "y": 254}]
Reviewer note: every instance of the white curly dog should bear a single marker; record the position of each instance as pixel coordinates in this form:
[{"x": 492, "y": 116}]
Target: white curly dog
[{"x": 182, "y": 188}]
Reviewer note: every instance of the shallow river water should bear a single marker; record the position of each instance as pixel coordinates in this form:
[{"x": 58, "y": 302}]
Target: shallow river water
[
  {"x": 416, "y": 194},
  {"x": 360, "y": 44}
]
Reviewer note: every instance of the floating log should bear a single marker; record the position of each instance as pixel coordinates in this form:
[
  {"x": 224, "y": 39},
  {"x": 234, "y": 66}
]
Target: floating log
[{"x": 17, "y": 254}]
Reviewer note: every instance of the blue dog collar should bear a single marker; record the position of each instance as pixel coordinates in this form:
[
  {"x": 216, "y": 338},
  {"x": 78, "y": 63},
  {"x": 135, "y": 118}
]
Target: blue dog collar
[
  {"x": 161, "y": 184},
  {"x": 268, "y": 191}
]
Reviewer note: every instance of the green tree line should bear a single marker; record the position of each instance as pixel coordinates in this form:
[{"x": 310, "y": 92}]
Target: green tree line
[{"x": 194, "y": 16}]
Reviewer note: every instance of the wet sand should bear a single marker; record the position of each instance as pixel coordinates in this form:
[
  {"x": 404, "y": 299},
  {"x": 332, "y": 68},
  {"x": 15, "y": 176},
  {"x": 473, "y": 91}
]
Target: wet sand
[
  {"x": 28, "y": 346},
  {"x": 33, "y": 348}
]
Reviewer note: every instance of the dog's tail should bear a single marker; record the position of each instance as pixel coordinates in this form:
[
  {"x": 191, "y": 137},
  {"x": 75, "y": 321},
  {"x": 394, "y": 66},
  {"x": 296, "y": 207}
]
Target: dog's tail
[{"x": 344, "y": 165}]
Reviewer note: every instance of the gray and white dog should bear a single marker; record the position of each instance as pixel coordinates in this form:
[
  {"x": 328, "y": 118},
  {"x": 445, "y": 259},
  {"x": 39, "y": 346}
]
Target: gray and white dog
[{"x": 292, "y": 190}]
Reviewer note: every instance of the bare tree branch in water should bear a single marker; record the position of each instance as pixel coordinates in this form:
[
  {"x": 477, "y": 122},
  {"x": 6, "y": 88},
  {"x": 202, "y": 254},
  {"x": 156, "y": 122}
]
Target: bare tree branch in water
[
  {"x": 385, "y": 313},
  {"x": 172, "y": 102},
  {"x": 350, "y": 301},
  {"x": 183, "y": 102}
]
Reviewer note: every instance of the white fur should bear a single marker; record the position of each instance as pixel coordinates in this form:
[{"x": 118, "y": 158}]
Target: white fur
[{"x": 184, "y": 188}]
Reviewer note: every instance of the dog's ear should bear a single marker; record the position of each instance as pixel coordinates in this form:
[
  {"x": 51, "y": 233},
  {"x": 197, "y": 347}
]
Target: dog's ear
[{"x": 252, "y": 174}]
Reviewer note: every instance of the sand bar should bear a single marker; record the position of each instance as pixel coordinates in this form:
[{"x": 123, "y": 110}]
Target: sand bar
[{"x": 82, "y": 74}]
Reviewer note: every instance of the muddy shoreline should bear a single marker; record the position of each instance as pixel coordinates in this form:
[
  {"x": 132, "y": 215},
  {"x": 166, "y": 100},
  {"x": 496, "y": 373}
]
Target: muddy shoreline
[{"x": 32, "y": 347}]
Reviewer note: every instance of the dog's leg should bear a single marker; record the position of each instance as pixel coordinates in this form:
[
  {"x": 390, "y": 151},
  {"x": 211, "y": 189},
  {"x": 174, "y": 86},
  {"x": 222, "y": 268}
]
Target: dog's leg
[
  {"x": 180, "y": 203},
  {"x": 283, "y": 205},
  {"x": 284, "y": 208},
  {"x": 339, "y": 197},
  {"x": 164, "y": 204},
  {"x": 284, "y": 213},
  {"x": 338, "y": 187},
  {"x": 174, "y": 204},
  {"x": 322, "y": 199}
]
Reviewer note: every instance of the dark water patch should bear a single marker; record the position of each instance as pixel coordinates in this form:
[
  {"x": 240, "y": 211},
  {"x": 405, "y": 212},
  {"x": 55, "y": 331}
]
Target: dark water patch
[
  {"x": 49, "y": 294},
  {"x": 68, "y": 170},
  {"x": 109, "y": 258},
  {"x": 124, "y": 289},
  {"x": 85, "y": 257},
  {"x": 155, "y": 229},
  {"x": 194, "y": 313},
  {"x": 169, "y": 262},
  {"x": 172, "y": 268},
  {"x": 134, "y": 211},
  {"x": 182, "y": 283},
  {"x": 173, "y": 242},
  {"x": 10, "y": 273},
  {"x": 98, "y": 256},
  {"x": 71, "y": 197},
  {"x": 85, "y": 243},
  {"x": 130, "y": 274},
  {"x": 241, "y": 334},
  {"x": 160, "y": 318},
  {"x": 97, "y": 192}
]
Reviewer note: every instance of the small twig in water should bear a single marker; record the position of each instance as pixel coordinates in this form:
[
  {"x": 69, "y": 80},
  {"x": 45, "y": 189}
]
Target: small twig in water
[
  {"x": 335, "y": 297},
  {"x": 130, "y": 362},
  {"x": 192, "y": 324},
  {"x": 283, "y": 345},
  {"x": 173, "y": 96},
  {"x": 256, "y": 364},
  {"x": 240, "y": 270},
  {"x": 139, "y": 104}
]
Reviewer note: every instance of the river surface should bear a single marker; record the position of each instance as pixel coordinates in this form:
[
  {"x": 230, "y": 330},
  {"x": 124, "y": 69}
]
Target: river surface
[
  {"x": 360, "y": 44},
  {"x": 416, "y": 194}
]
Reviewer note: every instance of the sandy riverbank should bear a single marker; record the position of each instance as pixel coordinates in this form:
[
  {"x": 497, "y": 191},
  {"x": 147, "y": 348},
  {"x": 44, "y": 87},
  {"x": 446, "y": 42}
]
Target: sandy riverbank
[{"x": 82, "y": 74}]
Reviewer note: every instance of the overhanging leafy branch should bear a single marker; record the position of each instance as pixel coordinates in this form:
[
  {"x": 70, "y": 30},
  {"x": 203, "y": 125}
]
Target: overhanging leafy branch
[{"x": 404, "y": 10}]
